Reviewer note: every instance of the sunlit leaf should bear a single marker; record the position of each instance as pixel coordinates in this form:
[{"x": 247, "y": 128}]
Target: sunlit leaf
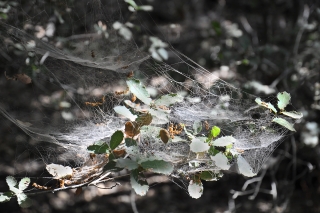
[
  {"x": 224, "y": 141},
  {"x": 11, "y": 181},
  {"x": 163, "y": 53},
  {"x": 244, "y": 167},
  {"x": 270, "y": 106},
  {"x": 24, "y": 183},
  {"x": 178, "y": 139},
  {"x": 284, "y": 123},
  {"x": 23, "y": 200},
  {"x": 122, "y": 110},
  {"x": 159, "y": 116},
  {"x": 197, "y": 127},
  {"x": 215, "y": 131},
  {"x": 126, "y": 163},
  {"x": 116, "y": 139},
  {"x": 125, "y": 32},
  {"x": 139, "y": 90},
  {"x": 267, "y": 105},
  {"x": 293, "y": 114},
  {"x": 158, "y": 166},
  {"x": 283, "y": 99},
  {"x": 139, "y": 185},
  {"x": 169, "y": 99},
  {"x": 195, "y": 189},
  {"x": 199, "y": 145},
  {"x": 59, "y": 171},
  {"x": 4, "y": 197},
  {"x": 221, "y": 161}
]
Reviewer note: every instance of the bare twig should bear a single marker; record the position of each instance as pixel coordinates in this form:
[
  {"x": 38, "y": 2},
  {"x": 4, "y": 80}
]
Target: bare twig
[
  {"x": 93, "y": 182},
  {"x": 133, "y": 201}
]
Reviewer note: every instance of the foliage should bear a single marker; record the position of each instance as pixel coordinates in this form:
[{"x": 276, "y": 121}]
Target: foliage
[
  {"x": 144, "y": 137},
  {"x": 283, "y": 101},
  {"x": 17, "y": 190}
]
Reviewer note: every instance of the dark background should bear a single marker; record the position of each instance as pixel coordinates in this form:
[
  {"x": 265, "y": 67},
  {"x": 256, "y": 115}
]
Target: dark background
[{"x": 279, "y": 47}]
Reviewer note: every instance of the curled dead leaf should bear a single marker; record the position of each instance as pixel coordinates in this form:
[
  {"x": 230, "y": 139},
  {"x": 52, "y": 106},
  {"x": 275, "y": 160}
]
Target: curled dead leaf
[
  {"x": 20, "y": 77},
  {"x": 164, "y": 135},
  {"x": 131, "y": 128},
  {"x": 78, "y": 191},
  {"x": 144, "y": 119},
  {"x": 119, "y": 153}
]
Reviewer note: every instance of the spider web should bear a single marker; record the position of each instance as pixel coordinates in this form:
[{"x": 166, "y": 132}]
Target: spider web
[{"x": 85, "y": 69}]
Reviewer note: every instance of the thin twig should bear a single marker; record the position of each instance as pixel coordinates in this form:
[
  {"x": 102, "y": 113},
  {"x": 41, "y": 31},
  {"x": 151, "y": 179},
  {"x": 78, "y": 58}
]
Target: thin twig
[
  {"x": 76, "y": 186},
  {"x": 133, "y": 201}
]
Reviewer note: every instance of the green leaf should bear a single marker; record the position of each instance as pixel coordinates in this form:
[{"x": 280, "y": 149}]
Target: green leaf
[
  {"x": 139, "y": 185},
  {"x": 139, "y": 90},
  {"x": 283, "y": 99},
  {"x": 216, "y": 27},
  {"x": 23, "y": 200},
  {"x": 284, "y": 123},
  {"x": 195, "y": 189},
  {"x": 111, "y": 165},
  {"x": 169, "y": 99},
  {"x": 126, "y": 164},
  {"x": 5, "y": 197},
  {"x": 293, "y": 114},
  {"x": 244, "y": 167},
  {"x": 213, "y": 151},
  {"x": 267, "y": 105},
  {"x": 116, "y": 139},
  {"x": 130, "y": 142},
  {"x": 132, "y": 3},
  {"x": 215, "y": 131},
  {"x": 199, "y": 145},
  {"x": 3, "y": 16},
  {"x": 245, "y": 62},
  {"x": 206, "y": 175},
  {"x": 210, "y": 176},
  {"x": 197, "y": 127},
  {"x": 224, "y": 141},
  {"x": 24, "y": 183},
  {"x": 100, "y": 148},
  {"x": 158, "y": 166},
  {"x": 122, "y": 110}
]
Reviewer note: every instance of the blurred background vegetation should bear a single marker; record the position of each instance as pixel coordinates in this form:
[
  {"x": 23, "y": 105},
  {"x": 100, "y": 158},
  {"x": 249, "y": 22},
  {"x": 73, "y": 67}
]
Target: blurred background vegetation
[{"x": 260, "y": 46}]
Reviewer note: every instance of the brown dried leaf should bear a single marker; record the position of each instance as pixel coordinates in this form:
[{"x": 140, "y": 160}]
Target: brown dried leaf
[
  {"x": 144, "y": 119},
  {"x": 78, "y": 191},
  {"x": 119, "y": 153},
  {"x": 131, "y": 129},
  {"x": 164, "y": 135},
  {"x": 23, "y": 78}
]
